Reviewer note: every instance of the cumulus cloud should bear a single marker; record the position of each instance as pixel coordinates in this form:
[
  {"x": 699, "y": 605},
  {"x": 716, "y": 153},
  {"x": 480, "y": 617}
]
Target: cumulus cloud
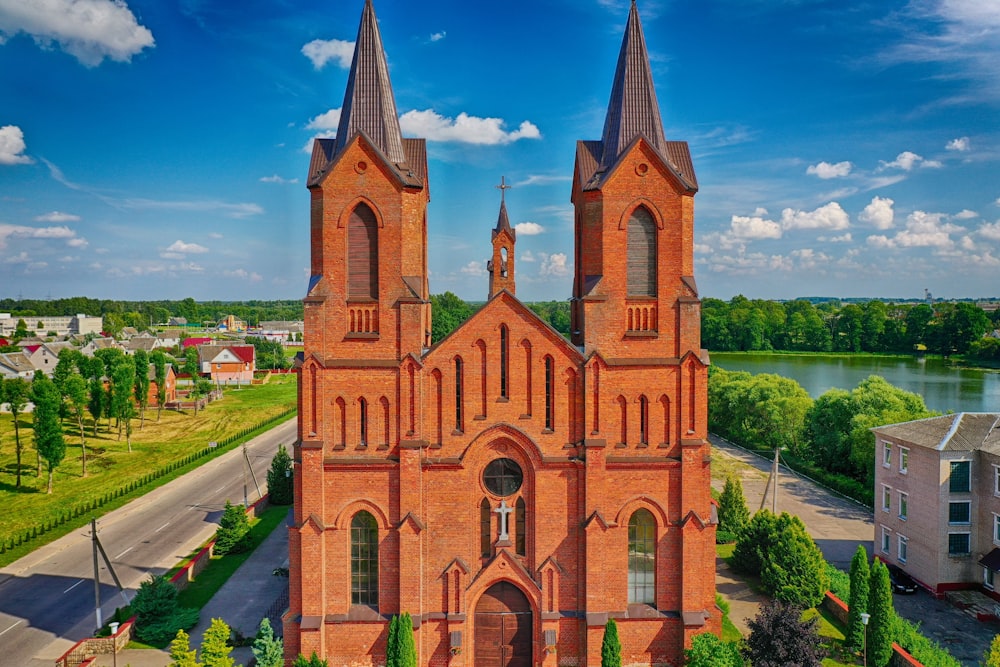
[
  {"x": 322, "y": 51},
  {"x": 966, "y": 214},
  {"x": 89, "y": 30},
  {"x": 8, "y": 232},
  {"x": 325, "y": 121},
  {"x": 12, "y": 145},
  {"x": 528, "y": 256},
  {"x": 529, "y": 228},
  {"x": 56, "y": 216},
  {"x": 990, "y": 231},
  {"x": 826, "y": 170},
  {"x": 474, "y": 269},
  {"x": 553, "y": 265},
  {"x": 907, "y": 160},
  {"x": 878, "y": 213},
  {"x": 961, "y": 145},
  {"x": 830, "y": 216},
  {"x": 438, "y": 36},
  {"x": 243, "y": 274},
  {"x": 77, "y": 242},
  {"x": 463, "y": 128},
  {"x": 278, "y": 179},
  {"x": 754, "y": 227},
  {"x": 923, "y": 230},
  {"x": 181, "y": 247}
]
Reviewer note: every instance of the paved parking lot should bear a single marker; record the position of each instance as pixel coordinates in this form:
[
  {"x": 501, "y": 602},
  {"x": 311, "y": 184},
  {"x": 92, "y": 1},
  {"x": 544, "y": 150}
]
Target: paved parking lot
[{"x": 838, "y": 526}]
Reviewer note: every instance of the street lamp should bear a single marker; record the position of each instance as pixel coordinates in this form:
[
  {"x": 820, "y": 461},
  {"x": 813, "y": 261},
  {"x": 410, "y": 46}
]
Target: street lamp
[{"x": 864, "y": 636}]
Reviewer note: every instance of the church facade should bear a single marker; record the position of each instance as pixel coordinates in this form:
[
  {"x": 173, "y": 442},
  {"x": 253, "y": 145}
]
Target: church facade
[{"x": 510, "y": 489}]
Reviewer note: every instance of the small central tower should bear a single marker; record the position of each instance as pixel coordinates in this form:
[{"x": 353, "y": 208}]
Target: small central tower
[{"x": 501, "y": 266}]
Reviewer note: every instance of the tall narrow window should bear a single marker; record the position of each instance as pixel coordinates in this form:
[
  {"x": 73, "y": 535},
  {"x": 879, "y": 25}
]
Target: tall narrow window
[
  {"x": 342, "y": 422},
  {"x": 459, "y": 381},
  {"x": 641, "y": 558},
  {"x": 623, "y": 408},
  {"x": 385, "y": 420},
  {"x": 526, "y": 344},
  {"x": 364, "y": 559},
  {"x": 504, "y": 361},
  {"x": 641, "y": 254},
  {"x": 666, "y": 419},
  {"x": 362, "y": 254},
  {"x": 550, "y": 393},
  {"x": 484, "y": 528},
  {"x": 520, "y": 522},
  {"x": 643, "y": 420},
  {"x": 363, "y": 421}
]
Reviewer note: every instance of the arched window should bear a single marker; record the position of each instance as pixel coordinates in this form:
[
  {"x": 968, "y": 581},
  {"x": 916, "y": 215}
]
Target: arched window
[
  {"x": 623, "y": 406},
  {"x": 504, "y": 361},
  {"x": 459, "y": 382},
  {"x": 520, "y": 529},
  {"x": 643, "y": 420},
  {"x": 364, "y": 559},
  {"x": 341, "y": 422},
  {"x": 363, "y": 421},
  {"x": 641, "y": 254},
  {"x": 386, "y": 424},
  {"x": 550, "y": 394},
  {"x": 642, "y": 558},
  {"x": 484, "y": 528},
  {"x": 362, "y": 254}
]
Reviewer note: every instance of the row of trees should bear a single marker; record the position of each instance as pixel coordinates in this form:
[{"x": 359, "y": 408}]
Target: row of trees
[
  {"x": 831, "y": 434},
  {"x": 742, "y": 324}
]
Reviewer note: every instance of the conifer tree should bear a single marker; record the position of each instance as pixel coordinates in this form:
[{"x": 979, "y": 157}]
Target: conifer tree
[
  {"x": 794, "y": 569},
  {"x": 279, "y": 478},
  {"x": 181, "y": 653},
  {"x": 392, "y": 644},
  {"x": 611, "y": 646},
  {"x": 267, "y": 649},
  {"x": 233, "y": 533},
  {"x": 407, "y": 647},
  {"x": 882, "y": 624},
  {"x": 734, "y": 514},
  {"x": 313, "y": 661},
  {"x": 858, "y": 603},
  {"x": 215, "y": 648},
  {"x": 992, "y": 657}
]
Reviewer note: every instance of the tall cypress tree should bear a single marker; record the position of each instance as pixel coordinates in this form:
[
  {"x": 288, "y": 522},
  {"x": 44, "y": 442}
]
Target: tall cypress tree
[
  {"x": 407, "y": 647},
  {"x": 392, "y": 644},
  {"x": 733, "y": 511},
  {"x": 611, "y": 646},
  {"x": 858, "y": 603},
  {"x": 883, "y": 619}
]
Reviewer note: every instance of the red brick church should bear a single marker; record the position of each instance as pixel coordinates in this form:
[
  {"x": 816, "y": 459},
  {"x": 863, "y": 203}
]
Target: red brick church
[{"x": 510, "y": 489}]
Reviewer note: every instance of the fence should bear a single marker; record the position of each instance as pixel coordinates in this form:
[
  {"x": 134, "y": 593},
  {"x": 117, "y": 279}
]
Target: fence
[
  {"x": 83, "y": 652},
  {"x": 839, "y": 609}
]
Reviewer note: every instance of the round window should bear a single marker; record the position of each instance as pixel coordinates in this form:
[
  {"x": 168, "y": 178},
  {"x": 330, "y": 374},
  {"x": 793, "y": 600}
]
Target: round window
[{"x": 502, "y": 477}]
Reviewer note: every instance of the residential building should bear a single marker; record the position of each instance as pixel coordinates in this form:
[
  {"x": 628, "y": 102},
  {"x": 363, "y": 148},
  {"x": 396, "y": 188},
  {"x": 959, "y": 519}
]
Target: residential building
[
  {"x": 42, "y": 326},
  {"x": 508, "y": 488},
  {"x": 44, "y": 357},
  {"x": 170, "y": 383},
  {"x": 937, "y": 499},
  {"x": 16, "y": 365},
  {"x": 99, "y": 344},
  {"x": 228, "y": 364}
]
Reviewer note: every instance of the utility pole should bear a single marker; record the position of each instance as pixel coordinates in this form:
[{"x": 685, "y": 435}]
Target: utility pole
[
  {"x": 97, "y": 574},
  {"x": 772, "y": 479}
]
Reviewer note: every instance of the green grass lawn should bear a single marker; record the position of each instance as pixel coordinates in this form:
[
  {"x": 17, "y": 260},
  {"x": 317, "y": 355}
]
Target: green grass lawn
[{"x": 109, "y": 464}]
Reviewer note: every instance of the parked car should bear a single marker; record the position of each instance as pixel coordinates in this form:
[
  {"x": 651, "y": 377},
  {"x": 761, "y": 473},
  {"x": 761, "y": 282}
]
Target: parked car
[{"x": 901, "y": 582}]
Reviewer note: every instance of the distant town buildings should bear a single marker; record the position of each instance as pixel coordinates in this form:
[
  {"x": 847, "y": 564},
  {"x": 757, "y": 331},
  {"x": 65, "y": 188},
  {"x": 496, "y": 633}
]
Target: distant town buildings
[{"x": 60, "y": 326}]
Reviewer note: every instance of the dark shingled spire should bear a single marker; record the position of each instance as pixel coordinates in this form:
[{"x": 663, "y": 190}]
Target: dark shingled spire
[
  {"x": 503, "y": 222},
  {"x": 633, "y": 109},
  {"x": 369, "y": 105}
]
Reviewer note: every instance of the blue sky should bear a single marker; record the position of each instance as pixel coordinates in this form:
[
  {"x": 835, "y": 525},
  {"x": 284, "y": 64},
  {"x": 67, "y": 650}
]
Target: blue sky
[{"x": 157, "y": 149}]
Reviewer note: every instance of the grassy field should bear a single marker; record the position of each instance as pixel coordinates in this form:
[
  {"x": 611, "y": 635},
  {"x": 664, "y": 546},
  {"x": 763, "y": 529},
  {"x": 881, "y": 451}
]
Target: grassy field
[{"x": 110, "y": 466}]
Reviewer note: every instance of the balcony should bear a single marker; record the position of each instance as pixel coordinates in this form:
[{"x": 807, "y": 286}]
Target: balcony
[
  {"x": 362, "y": 319},
  {"x": 640, "y": 317}
]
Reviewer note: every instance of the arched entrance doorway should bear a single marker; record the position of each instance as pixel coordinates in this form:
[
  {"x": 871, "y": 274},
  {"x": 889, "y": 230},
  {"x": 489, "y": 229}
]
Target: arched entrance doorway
[{"x": 503, "y": 627}]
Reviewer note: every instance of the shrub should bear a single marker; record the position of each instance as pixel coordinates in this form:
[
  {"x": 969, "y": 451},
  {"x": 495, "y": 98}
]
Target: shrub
[
  {"x": 751, "y": 548},
  {"x": 611, "y": 646},
  {"x": 733, "y": 511},
  {"x": 707, "y": 650},
  {"x": 778, "y": 637},
  {"x": 157, "y": 616},
  {"x": 723, "y": 537},
  {"x": 279, "y": 478},
  {"x": 794, "y": 569},
  {"x": 233, "y": 534}
]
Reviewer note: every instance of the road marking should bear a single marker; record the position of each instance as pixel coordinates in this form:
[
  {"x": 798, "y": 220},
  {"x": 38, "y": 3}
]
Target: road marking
[
  {"x": 11, "y": 627},
  {"x": 124, "y": 552},
  {"x": 220, "y": 488},
  {"x": 73, "y": 586},
  {"x": 162, "y": 527}
]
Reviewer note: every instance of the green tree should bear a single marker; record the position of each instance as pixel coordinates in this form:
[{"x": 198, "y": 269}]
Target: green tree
[
  {"x": 611, "y": 646},
  {"x": 992, "y": 656},
  {"x": 157, "y": 615},
  {"x": 159, "y": 361},
  {"x": 48, "y": 429},
  {"x": 181, "y": 653},
  {"x": 407, "y": 647},
  {"x": 314, "y": 661},
  {"x": 75, "y": 391},
  {"x": 882, "y": 624},
  {"x": 97, "y": 398},
  {"x": 779, "y": 638},
  {"x": 233, "y": 534},
  {"x": 17, "y": 393},
  {"x": 447, "y": 313},
  {"x": 215, "y": 648},
  {"x": 754, "y": 542},
  {"x": 21, "y": 330},
  {"x": 392, "y": 644},
  {"x": 794, "y": 569},
  {"x": 707, "y": 650},
  {"x": 279, "y": 478},
  {"x": 267, "y": 649},
  {"x": 141, "y": 384},
  {"x": 122, "y": 387},
  {"x": 733, "y": 511},
  {"x": 858, "y": 604},
  {"x": 191, "y": 362},
  {"x": 113, "y": 325}
]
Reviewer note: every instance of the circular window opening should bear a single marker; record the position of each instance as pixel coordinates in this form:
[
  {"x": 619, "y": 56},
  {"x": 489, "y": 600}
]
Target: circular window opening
[{"x": 502, "y": 477}]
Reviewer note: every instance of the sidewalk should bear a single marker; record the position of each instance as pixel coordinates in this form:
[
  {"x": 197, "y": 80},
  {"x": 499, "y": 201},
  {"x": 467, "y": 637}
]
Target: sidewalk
[{"x": 241, "y": 603}]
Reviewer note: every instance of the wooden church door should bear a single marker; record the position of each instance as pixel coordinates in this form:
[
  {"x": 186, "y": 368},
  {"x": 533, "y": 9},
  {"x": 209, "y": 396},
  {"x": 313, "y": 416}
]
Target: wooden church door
[{"x": 503, "y": 628}]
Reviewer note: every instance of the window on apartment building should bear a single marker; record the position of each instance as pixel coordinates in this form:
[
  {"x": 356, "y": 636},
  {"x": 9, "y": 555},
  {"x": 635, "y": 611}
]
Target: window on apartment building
[
  {"x": 901, "y": 557},
  {"x": 996, "y": 529},
  {"x": 904, "y": 459},
  {"x": 886, "y": 454},
  {"x": 959, "y": 512},
  {"x": 959, "y": 544},
  {"x": 886, "y": 498},
  {"x": 959, "y": 480},
  {"x": 904, "y": 499},
  {"x": 988, "y": 578},
  {"x": 886, "y": 537},
  {"x": 996, "y": 480}
]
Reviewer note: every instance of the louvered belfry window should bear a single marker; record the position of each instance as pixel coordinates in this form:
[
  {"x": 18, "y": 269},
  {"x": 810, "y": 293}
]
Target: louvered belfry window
[
  {"x": 362, "y": 254},
  {"x": 641, "y": 254}
]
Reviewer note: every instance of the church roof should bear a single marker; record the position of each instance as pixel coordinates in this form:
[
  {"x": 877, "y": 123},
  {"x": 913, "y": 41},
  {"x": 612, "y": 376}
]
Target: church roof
[
  {"x": 633, "y": 109},
  {"x": 369, "y": 105},
  {"x": 503, "y": 222}
]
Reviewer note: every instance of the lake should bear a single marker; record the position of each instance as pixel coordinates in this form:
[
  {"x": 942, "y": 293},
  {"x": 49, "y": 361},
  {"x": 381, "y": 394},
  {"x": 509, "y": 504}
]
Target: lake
[{"x": 944, "y": 387}]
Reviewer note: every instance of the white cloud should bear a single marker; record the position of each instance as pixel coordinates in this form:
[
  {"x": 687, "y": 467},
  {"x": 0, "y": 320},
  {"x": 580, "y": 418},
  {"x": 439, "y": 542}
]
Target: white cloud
[
  {"x": 464, "y": 128},
  {"x": 20, "y": 258},
  {"x": 56, "y": 216},
  {"x": 966, "y": 214},
  {"x": 831, "y": 217},
  {"x": 528, "y": 256},
  {"x": 826, "y": 170},
  {"x": 24, "y": 232},
  {"x": 12, "y": 145},
  {"x": 241, "y": 210},
  {"x": 754, "y": 227},
  {"x": 907, "y": 160},
  {"x": 528, "y": 228},
  {"x": 961, "y": 144},
  {"x": 438, "y": 36},
  {"x": 89, "y": 30},
  {"x": 553, "y": 265},
  {"x": 179, "y": 246},
  {"x": 278, "y": 179},
  {"x": 243, "y": 274},
  {"x": 990, "y": 231},
  {"x": 878, "y": 213},
  {"x": 329, "y": 120},
  {"x": 475, "y": 269},
  {"x": 77, "y": 243},
  {"x": 539, "y": 179},
  {"x": 809, "y": 258},
  {"x": 923, "y": 230},
  {"x": 322, "y": 51}
]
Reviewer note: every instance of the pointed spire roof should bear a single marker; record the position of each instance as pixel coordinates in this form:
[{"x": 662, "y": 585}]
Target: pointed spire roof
[
  {"x": 503, "y": 222},
  {"x": 633, "y": 109},
  {"x": 369, "y": 105}
]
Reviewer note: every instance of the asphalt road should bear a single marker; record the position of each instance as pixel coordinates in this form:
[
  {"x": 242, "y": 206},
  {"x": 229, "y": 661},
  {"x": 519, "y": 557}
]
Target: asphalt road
[{"x": 47, "y": 597}]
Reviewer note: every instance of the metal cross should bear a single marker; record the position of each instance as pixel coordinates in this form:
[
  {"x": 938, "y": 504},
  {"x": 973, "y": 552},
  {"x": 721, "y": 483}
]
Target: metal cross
[
  {"x": 503, "y": 186},
  {"x": 504, "y": 511}
]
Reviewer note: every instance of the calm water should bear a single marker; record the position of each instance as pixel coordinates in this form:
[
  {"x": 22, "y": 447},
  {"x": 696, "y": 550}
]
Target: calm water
[{"x": 943, "y": 387}]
